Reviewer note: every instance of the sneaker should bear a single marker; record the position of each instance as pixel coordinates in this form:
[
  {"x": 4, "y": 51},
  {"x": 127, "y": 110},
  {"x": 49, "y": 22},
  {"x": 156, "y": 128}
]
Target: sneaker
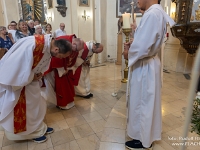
[
  {"x": 136, "y": 145},
  {"x": 40, "y": 139},
  {"x": 49, "y": 130}
]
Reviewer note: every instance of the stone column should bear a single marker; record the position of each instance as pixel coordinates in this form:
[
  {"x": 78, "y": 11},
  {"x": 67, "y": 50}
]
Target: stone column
[{"x": 119, "y": 48}]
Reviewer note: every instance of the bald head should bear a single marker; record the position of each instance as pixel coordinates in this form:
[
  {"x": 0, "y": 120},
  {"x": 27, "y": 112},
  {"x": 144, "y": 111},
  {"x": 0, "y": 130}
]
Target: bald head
[
  {"x": 97, "y": 48},
  {"x": 77, "y": 44},
  {"x": 62, "y": 26},
  {"x": 145, "y": 4}
]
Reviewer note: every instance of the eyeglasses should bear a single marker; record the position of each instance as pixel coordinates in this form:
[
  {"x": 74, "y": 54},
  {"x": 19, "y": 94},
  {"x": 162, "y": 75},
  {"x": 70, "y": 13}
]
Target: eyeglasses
[
  {"x": 12, "y": 25},
  {"x": 62, "y": 26}
]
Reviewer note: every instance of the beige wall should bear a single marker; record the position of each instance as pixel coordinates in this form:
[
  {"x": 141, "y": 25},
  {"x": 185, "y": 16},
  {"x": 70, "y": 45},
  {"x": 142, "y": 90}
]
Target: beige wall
[
  {"x": 73, "y": 20},
  {"x": 10, "y": 11},
  {"x": 57, "y": 18},
  {"x": 85, "y": 27},
  {"x": 2, "y": 22}
]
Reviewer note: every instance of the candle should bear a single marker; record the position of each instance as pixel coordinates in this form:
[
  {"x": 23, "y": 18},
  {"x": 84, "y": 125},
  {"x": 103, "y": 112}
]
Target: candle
[
  {"x": 126, "y": 20},
  {"x": 134, "y": 16}
]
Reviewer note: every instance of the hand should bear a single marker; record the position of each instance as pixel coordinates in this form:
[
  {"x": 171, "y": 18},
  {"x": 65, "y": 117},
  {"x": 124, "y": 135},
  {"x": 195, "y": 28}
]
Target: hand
[
  {"x": 86, "y": 63},
  {"x": 125, "y": 54},
  {"x": 133, "y": 26},
  {"x": 37, "y": 76},
  {"x": 127, "y": 46},
  {"x": 126, "y": 49},
  {"x": 131, "y": 40}
]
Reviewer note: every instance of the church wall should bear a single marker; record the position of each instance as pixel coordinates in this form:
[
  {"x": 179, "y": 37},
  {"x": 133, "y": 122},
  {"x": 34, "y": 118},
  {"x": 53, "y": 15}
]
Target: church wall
[
  {"x": 74, "y": 17},
  {"x": 10, "y": 11},
  {"x": 57, "y": 18},
  {"x": 85, "y": 27},
  {"x": 1, "y": 15},
  {"x": 112, "y": 29},
  {"x": 104, "y": 30}
]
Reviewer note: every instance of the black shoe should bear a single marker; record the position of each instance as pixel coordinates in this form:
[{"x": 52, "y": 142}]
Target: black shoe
[
  {"x": 59, "y": 107},
  {"x": 136, "y": 145},
  {"x": 91, "y": 95},
  {"x": 87, "y": 97}
]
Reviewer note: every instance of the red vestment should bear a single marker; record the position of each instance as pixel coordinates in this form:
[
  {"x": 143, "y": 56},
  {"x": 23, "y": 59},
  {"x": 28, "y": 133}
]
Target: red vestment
[
  {"x": 20, "y": 107},
  {"x": 64, "y": 86}
]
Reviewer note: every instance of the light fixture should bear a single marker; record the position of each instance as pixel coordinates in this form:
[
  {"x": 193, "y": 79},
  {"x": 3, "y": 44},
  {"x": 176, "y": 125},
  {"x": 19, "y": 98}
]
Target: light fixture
[
  {"x": 49, "y": 18},
  {"x": 84, "y": 16}
]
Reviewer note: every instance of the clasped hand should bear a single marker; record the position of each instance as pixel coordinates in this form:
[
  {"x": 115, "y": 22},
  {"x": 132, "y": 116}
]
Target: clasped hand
[
  {"x": 37, "y": 76},
  {"x": 126, "y": 49}
]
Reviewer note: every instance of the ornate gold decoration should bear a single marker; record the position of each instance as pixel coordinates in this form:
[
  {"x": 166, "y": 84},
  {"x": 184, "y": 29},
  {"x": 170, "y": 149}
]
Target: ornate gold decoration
[
  {"x": 197, "y": 14},
  {"x": 186, "y": 29},
  {"x": 33, "y": 9},
  {"x": 127, "y": 32},
  {"x": 125, "y": 80},
  {"x": 183, "y": 11}
]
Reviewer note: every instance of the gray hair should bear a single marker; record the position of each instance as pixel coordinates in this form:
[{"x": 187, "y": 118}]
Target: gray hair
[
  {"x": 2, "y": 27},
  {"x": 30, "y": 21},
  {"x": 37, "y": 26}
]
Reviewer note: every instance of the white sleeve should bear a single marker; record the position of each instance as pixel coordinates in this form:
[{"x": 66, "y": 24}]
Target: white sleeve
[
  {"x": 146, "y": 36},
  {"x": 19, "y": 60}
]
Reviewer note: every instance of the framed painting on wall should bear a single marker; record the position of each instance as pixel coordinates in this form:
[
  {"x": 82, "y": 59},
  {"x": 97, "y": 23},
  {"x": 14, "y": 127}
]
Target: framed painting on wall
[
  {"x": 123, "y": 6},
  {"x": 84, "y": 3}
]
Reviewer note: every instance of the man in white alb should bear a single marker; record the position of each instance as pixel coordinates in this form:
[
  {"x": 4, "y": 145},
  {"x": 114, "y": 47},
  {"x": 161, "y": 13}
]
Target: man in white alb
[
  {"x": 144, "y": 84},
  {"x": 61, "y": 31},
  {"x": 22, "y": 109},
  {"x": 83, "y": 88}
]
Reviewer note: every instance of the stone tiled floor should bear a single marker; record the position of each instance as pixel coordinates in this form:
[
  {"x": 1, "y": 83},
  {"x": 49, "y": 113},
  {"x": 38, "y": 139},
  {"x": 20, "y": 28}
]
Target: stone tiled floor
[{"x": 99, "y": 123}]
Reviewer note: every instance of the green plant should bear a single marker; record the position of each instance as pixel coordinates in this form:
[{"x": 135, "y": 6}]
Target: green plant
[{"x": 195, "y": 121}]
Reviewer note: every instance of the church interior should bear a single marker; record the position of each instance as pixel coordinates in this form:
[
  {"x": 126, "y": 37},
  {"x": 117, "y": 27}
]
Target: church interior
[{"x": 100, "y": 122}]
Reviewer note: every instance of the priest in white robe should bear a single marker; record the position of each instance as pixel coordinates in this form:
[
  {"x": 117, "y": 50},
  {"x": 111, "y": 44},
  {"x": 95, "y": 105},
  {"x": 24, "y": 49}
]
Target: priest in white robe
[
  {"x": 22, "y": 108},
  {"x": 144, "y": 84},
  {"x": 83, "y": 88}
]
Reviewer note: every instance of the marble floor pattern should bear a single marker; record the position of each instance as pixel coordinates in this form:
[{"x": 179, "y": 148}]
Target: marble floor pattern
[{"x": 99, "y": 123}]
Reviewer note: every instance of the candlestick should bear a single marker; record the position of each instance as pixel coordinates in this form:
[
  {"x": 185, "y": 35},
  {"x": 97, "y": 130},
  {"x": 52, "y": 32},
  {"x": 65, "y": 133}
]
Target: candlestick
[
  {"x": 126, "y": 20},
  {"x": 127, "y": 32}
]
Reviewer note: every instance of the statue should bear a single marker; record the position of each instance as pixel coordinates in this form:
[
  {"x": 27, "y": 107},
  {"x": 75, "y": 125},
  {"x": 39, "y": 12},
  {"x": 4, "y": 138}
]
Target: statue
[
  {"x": 30, "y": 10},
  {"x": 61, "y": 7},
  {"x": 61, "y": 2}
]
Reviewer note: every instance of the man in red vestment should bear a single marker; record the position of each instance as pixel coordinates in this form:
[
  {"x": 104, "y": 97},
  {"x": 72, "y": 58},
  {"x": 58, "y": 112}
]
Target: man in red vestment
[{"x": 66, "y": 74}]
